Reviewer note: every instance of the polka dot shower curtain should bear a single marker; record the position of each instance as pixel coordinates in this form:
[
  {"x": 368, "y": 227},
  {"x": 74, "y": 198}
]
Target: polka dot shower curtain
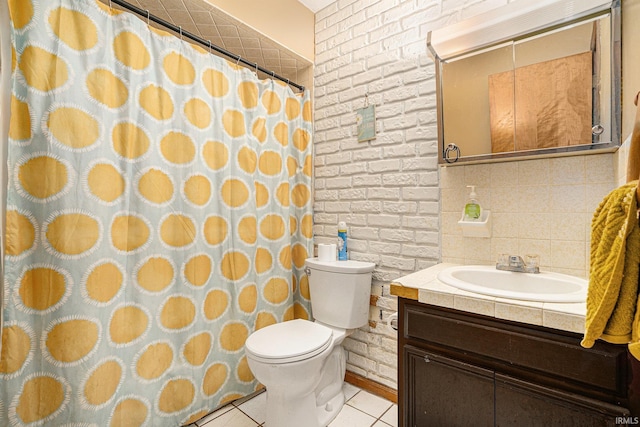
[{"x": 157, "y": 212}]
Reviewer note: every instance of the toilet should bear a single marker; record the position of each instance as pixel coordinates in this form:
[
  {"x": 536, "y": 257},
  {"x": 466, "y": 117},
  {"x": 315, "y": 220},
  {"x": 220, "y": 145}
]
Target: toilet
[{"x": 302, "y": 363}]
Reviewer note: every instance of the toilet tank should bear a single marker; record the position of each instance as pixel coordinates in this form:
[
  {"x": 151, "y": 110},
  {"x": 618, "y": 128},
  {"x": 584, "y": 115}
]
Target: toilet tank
[{"x": 340, "y": 291}]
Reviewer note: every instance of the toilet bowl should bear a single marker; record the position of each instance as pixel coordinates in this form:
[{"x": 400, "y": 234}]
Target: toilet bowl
[
  {"x": 302, "y": 363},
  {"x": 288, "y": 358}
]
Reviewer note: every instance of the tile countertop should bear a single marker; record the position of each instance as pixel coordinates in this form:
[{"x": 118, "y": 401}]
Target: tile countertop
[{"x": 424, "y": 286}]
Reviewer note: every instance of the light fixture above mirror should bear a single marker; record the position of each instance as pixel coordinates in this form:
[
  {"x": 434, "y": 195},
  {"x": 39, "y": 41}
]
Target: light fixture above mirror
[{"x": 533, "y": 78}]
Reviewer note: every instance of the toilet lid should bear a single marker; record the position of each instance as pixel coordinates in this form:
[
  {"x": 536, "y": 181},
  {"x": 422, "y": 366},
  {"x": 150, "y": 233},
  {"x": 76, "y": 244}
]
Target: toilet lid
[{"x": 289, "y": 341}]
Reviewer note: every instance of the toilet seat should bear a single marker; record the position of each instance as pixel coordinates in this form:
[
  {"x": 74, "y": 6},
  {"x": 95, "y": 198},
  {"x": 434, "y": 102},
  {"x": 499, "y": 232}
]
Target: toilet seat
[{"x": 288, "y": 342}]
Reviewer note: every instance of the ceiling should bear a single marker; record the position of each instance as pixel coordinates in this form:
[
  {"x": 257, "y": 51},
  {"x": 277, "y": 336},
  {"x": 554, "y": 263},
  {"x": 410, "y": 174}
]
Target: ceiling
[
  {"x": 316, "y": 5},
  {"x": 204, "y": 20}
]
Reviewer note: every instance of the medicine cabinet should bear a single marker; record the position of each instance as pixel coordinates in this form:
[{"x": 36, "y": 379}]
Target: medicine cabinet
[{"x": 529, "y": 79}]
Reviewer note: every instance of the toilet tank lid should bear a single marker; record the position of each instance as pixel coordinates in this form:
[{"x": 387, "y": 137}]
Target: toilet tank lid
[{"x": 345, "y": 267}]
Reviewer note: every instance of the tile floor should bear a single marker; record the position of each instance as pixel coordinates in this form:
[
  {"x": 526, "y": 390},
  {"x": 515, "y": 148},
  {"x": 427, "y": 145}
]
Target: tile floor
[{"x": 362, "y": 409}]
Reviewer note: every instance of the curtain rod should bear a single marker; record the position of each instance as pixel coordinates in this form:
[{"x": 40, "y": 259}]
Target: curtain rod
[{"x": 206, "y": 43}]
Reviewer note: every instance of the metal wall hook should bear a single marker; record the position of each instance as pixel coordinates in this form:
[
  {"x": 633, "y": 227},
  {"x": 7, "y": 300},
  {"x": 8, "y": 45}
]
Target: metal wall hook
[{"x": 450, "y": 150}]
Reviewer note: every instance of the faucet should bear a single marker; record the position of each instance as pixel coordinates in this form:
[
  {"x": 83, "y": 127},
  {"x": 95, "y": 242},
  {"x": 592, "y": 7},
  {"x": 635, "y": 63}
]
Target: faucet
[{"x": 516, "y": 264}]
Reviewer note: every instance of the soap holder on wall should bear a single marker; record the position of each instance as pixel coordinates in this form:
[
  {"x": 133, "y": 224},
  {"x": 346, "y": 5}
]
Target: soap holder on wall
[{"x": 479, "y": 228}]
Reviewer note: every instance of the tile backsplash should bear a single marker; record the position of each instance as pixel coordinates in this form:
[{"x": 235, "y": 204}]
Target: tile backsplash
[{"x": 541, "y": 206}]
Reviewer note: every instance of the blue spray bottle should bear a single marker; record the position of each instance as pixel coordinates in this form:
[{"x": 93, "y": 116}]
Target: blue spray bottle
[{"x": 342, "y": 241}]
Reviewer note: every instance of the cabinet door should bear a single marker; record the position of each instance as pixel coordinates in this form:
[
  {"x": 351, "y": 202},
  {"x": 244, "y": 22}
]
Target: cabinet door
[
  {"x": 443, "y": 392},
  {"x": 520, "y": 403}
]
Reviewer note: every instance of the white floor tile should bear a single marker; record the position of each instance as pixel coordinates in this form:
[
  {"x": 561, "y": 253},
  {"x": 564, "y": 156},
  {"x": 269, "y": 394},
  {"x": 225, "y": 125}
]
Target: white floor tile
[
  {"x": 349, "y": 391},
  {"x": 370, "y": 403},
  {"x": 391, "y": 416},
  {"x": 231, "y": 418},
  {"x": 255, "y": 408},
  {"x": 214, "y": 414},
  {"x": 351, "y": 417},
  {"x": 362, "y": 410}
]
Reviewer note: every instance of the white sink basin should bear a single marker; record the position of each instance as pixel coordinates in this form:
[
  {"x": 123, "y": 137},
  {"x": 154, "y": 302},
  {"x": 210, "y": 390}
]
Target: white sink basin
[{"x": 543, "y": 287}]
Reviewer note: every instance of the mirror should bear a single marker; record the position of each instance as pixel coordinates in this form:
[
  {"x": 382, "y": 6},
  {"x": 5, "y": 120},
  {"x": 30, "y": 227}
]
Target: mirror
[{"x": 554, "y": 91}]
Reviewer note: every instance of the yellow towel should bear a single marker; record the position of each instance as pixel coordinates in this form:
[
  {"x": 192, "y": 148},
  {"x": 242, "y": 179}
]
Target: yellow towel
[{"x": 612, "y": 298}]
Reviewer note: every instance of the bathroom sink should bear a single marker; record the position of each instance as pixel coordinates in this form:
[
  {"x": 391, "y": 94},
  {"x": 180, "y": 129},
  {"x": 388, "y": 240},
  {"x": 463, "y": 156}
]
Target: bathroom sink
[{"x": 543, "y": 287}]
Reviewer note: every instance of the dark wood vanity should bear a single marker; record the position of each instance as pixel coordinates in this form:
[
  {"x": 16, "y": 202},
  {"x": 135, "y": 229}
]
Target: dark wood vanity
[{"x": 463, "y": 369}]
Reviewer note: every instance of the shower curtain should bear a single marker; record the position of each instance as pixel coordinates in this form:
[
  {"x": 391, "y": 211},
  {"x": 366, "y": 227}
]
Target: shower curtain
[{"x": 157, "y": 212}]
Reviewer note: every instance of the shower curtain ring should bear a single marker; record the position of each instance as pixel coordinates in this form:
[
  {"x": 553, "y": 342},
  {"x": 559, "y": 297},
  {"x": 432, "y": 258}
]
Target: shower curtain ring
[
  {"x": 148, "y": 16},
  {"x": 238, "y": 61},
  {"x": 209, "y": 46},
  {"x": 256, "y": 64},
  {"x": 180, "y": 32}
]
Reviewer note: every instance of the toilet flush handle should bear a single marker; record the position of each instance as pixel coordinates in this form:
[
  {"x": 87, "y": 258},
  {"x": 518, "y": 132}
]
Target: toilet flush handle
[{"x": 308, "y": 271}]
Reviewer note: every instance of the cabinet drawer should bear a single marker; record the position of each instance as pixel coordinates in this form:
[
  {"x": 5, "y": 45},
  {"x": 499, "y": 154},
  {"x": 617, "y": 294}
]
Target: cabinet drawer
[{"x": 496, "y": 343}]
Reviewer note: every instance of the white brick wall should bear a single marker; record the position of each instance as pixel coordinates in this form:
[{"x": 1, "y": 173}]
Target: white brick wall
[{"x": 386, "y": 190}]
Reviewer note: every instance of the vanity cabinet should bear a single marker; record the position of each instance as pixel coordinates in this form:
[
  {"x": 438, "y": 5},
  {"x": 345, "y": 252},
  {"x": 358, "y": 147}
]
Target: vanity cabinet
[{"x": 462, "y": 369}]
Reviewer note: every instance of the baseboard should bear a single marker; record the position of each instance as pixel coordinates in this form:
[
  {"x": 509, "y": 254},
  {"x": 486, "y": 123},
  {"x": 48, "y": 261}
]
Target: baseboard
[{"x": 372, "y": 386}]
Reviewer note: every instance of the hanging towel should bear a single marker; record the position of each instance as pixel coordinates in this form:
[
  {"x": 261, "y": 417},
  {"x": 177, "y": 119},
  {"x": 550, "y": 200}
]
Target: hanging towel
[{"x": 613, "y": 276}]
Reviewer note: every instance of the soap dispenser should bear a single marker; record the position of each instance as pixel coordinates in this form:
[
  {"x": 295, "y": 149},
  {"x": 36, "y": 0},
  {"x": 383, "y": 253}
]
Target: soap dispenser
[{"x": 472, "y": 210}]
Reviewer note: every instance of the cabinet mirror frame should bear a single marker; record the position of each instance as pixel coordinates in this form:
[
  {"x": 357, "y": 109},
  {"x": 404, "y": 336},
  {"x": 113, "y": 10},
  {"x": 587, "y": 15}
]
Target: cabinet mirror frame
[{"x": 452, "y": 152}]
